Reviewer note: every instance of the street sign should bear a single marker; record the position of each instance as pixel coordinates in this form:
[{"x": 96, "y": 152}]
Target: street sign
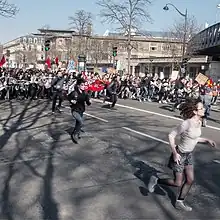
[{"x": 71, "y": 65}]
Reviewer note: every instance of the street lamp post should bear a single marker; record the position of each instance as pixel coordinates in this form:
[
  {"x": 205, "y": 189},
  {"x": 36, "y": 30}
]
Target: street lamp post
[{"x": 166, "y": 8}]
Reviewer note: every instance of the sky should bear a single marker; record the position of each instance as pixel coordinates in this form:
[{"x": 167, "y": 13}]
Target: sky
[{"x": 35, "y": 14}]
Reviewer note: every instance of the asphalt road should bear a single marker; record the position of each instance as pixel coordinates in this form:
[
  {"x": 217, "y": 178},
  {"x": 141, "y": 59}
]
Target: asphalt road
[{"x": 45, "y": 176}]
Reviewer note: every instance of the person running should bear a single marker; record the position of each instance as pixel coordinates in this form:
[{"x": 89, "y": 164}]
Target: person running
[
  {"x": 181, "y": 159},
  {"x": 112, "y": 91},
  {"x": 77, "y": 99}
]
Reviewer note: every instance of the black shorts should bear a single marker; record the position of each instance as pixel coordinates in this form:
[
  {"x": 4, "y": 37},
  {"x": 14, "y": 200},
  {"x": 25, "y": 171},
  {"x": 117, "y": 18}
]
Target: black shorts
[{"x": 186, "y": 159}]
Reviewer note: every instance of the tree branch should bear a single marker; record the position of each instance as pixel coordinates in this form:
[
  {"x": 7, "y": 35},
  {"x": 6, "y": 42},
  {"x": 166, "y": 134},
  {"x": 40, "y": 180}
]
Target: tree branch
[
  {"x": 81, "y": 21},
  {"x": 127, "y": 13},
  {"x": 7, "y": 10}
]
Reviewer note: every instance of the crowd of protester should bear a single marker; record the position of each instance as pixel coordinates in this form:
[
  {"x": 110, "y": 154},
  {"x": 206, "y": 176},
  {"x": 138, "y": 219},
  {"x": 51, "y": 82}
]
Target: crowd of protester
[{"x": 38, "y": 84}]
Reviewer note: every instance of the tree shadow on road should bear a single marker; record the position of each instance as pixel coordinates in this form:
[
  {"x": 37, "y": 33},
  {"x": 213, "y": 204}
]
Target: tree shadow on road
[
  {"x": 48, "y": 204},
  {"x": 15, "y": 127},
  {"x": 144, "y": 171},
  {"x": 7, "y": 208}
]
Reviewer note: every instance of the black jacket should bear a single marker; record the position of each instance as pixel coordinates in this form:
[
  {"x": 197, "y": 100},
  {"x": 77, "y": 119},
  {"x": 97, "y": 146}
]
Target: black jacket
[
  {"x": 57, "y": 83},
  {"x": 80, "y": 98},
  {"x": 113, "y": 87}
]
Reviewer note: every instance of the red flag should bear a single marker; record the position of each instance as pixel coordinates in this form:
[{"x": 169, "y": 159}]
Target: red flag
[
  {"x": 48, "y": 62},
  {"x": 95, "y": 86},
  {"x": 57, "y": 61},
  {"x": 2, "y": 62}
]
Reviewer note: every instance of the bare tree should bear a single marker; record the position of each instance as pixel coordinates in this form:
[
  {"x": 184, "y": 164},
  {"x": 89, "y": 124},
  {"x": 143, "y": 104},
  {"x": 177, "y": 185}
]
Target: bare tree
[
  {"x": 7, "y": 9},
  {"x": 192, "y": 28},
  {"x": 128, "y": 15},
  {"x": 175, "y": 36},
  {"x": 81, "y": 22},
  {"x": 172, "y": 48},
  {"x": 96, "y": 51}
]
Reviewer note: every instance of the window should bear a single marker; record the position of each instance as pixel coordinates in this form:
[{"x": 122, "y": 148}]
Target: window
[
  {"x": 24, "y": 40},
  {"x": 153, "y": 48},
  {"x": 30, "y": 40},
  {"x": 35, "y": 40}
]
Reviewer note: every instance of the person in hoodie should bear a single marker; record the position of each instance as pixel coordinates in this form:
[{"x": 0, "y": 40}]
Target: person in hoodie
[
  {"x": 57, "y": 85},
  {"x": 112, "y": 91},
  {"x": 78, "y": 99}
]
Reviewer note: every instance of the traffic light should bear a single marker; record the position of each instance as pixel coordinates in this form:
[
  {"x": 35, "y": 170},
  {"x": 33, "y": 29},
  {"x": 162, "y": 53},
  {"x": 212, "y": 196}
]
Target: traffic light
[
  {"x": 185, "y": 62},
  {"x": 47, "y": 45},
  {"x": 82, "y": 58},
  {"x": 114, "y": 52}
]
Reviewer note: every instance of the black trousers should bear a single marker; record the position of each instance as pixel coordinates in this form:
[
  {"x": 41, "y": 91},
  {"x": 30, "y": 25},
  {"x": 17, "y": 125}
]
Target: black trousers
[
  {"x": 56, "y": 94},
  {"x": 114, "y": 99}
]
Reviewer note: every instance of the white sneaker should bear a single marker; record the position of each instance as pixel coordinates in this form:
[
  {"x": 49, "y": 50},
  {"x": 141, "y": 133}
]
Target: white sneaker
[
  {"x": 152, "y": 183},
  {"x": 181, "y": 206}
]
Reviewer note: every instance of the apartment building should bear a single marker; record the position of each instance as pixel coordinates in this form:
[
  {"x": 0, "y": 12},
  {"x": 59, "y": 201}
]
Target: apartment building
[{"x": 153, "y": 52}]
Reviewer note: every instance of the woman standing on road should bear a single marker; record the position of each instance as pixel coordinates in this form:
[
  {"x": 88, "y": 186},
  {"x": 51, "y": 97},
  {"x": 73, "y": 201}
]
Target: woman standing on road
[{"x": 181, "y": 160}]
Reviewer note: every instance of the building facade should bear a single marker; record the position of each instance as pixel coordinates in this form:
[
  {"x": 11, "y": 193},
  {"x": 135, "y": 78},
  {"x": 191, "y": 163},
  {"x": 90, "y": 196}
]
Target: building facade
[{"x": 150, "y": 54}]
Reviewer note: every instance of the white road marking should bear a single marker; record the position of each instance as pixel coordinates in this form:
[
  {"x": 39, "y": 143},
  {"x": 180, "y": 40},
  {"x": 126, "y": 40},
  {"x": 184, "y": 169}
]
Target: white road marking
[
  {"x": 146, "y": 135},
  {"x": 92, "y": 116},
  {"x": 154, "y": 113},
  {"x": 216, "y": 161}
]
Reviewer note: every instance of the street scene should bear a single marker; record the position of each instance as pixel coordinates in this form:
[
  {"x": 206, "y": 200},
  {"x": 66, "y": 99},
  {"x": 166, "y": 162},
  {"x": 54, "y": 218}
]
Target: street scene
[{"x": 106, "y": 118}]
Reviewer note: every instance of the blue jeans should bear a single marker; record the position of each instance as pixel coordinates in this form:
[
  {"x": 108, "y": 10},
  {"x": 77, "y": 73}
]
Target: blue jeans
[
  {"x": 79, "y": 121},
  {"x": 207, "y": 99}
]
